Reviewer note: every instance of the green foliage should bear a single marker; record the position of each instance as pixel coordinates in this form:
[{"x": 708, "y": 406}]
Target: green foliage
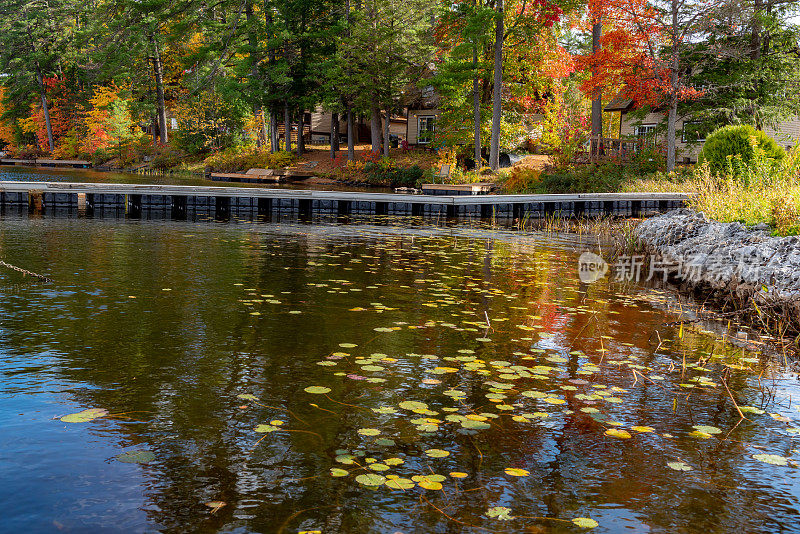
[
  {"x": 385, "y": 172},
  {"x": 726, "y": 143},
  {"x": 243, "y": 158}
]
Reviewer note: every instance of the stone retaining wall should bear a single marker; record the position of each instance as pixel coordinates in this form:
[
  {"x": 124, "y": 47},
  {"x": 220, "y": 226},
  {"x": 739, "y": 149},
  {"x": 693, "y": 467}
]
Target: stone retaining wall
[{"x": 738, "y": 264}]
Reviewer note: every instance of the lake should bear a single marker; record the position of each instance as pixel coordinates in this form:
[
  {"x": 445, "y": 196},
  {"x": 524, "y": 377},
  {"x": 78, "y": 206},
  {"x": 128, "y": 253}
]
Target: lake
[{"x": 380, "y": 376}]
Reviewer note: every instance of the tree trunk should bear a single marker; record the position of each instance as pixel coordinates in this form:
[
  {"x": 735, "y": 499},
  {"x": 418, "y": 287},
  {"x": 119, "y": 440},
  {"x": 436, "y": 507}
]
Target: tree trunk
[
  {"x": 494, "y": 149},
  {"x": 161, "y": 108},
  {"x": 301, "y": 140},
  {"x": 672, "y": 116},
  {"x": 45, "y": 108},
  {"x": 252, "y": 40},
  {"x": 476, "y": 103},
  {"x": 375, "y": 126},
  {"x": 351, "y": 149},
  {"x": 154, "y": 123},
  {"x": 264, "y": 129},
  {"x": 334, "y": 134},
  {"x": 287, "y": 126},
  {"x": 273, "y": 131},
  {"x": 386, "y": 134},
  {"x": 597, "y": 100}
]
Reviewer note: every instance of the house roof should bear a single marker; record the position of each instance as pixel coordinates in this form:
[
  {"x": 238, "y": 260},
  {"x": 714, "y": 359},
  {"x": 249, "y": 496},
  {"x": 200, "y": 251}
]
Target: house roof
[{"x": 619, "y": 103}]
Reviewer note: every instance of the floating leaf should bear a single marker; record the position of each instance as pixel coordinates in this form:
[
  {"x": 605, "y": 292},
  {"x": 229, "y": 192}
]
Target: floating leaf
[
  {"x": 85, "y": 416},
  {"x": 370, "y": 479},
  {"x": 369, "y": 431},
  {"x": 474, "y": 425},
  {"x": 707, "y": 429},
  {"x": 585, "y": 522},
  {"x": 263, "y": 429},
  {"x": 394, "y": 461},
  {"x": 336, "y": 472},
  {"x": 499, "y": 512},
  {"x": 399, "y": 484},
  {"x": 437, "y": 453},
  {"x": 679, "y": 466},
  {"x": 773, "y": 459},
  {"x": 215, "y": 505},
  {"x": 515, "y": 472},
  {"x": 643, "y": 429},
  {"x": 617, "y": 433},
  {"x": 413, "y": 405},
  {"x": 458, "y": 474},
  {"x": 136, "y": 457},
  {"x": 247, "y": 396},
  {"x": 317, "y": 390}
]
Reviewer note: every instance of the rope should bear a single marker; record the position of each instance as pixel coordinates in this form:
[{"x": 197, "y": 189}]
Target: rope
[{"x": 25, "y": 271}]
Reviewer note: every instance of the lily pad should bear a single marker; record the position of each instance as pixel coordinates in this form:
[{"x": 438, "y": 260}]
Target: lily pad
[
  {"x": 263, "y": 429},
  {"x": 679, "y": 466},
  {"x": 617, "y": 433},
  {"x": 773, "y": 459},
  {"x": 413, "y": 405},
  {"x": 499, "y": 512},
  {"x": 369, "y": 431},
  {"x": 84, "y": 416},
  {"x": 370, "y": 479},
  {"x": 136, "y": 457},
  {"x": 399, "y": 484},
  {"x": 515, "y": 472},
  {"x": 317, "y": 390},
  {"x": 247, "y": 396},
  {"x": 336, "y": 472},
  {"x": 585, "y": 522},
  {"x": 437, "y": 453},
  {"x": 707, "y": 429}
]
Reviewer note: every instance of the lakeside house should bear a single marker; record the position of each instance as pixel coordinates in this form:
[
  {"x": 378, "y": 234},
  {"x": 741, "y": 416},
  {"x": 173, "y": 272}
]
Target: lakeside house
[{"x": 689, "y": 136}]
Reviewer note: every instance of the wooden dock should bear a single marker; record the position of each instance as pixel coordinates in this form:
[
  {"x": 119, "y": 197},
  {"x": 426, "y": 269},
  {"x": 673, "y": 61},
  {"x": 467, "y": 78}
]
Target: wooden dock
[
  {"x": 58, "y": 163},
  {"x": 178, "y": 201}
]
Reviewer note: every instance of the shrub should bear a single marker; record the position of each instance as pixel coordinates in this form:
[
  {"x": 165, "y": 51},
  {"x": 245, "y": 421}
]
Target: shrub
[
  {"x": 244, "y": 158},
  {"x": 727, "y": 142}
]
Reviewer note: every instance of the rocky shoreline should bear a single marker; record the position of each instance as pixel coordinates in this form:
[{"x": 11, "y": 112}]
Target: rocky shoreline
[{"x": 746, "y": 269}]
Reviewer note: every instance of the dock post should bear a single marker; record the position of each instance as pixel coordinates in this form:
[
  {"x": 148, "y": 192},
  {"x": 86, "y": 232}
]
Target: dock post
[
  {"x": 35, "y": 201},
  {"x": 608, "y": 207},
  {"x": 264, "y": 206},
  {"x": 304, "y": 206},
  {"x": 222, "y": 208},
  {"x": 636, "y": 208},
  {"x": 417, "y": 209},
  {"x": 381, "y": 208},
  {"x": 343, "y": 208},
  {"x": 487, "y": 211},
  {"x": 578, "y": 209},
  {"x": 133, "y": 206},
  {"x": 178, "y": 207},
  {"x": 451, "y": 212},
  {"x": 663, "y": 206}
]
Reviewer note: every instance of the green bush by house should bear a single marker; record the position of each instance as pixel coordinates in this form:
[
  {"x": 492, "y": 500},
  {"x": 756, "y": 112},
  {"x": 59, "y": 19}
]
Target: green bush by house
[{"x": 724, "y": 144}]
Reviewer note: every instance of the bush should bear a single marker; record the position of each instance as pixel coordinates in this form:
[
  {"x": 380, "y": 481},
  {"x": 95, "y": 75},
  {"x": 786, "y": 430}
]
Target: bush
[
  {"x": 244, "y": 158},
  {"x": 725, "y": 143}
]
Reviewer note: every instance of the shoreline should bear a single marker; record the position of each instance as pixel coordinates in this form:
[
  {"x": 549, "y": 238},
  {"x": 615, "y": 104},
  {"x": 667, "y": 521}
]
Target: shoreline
[{"x": 745, "y": 270}]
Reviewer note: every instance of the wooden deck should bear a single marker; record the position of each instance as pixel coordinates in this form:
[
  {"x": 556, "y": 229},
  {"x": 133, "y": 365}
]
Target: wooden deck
[
  {"x": 223, "y": 201},
  {"x": 64, "y": 163}
]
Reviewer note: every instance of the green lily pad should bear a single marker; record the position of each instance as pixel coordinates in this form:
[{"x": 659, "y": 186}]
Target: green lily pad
[
  {"x": 773, "y": 459},
  {"x": 85, "y": 416},
  {"x": 499, "y": 512},
  {"x": 263, "y": 429},
  {"x": 247, "y": 396},
  {"x": 707, "y": 429},
  {"x": 317, "y": 390},
  {"x": 399, "y": 484},
  {"x": 336, "y": 472},
  {"x": 369, "y": 431},
  {"x": 679, "y": 466},
  {"x": 370, "y": 479},
  {"x": 413, "y": 405},
  {"x": 136, "y": 457},
  {"x": 437, "y": 453}
]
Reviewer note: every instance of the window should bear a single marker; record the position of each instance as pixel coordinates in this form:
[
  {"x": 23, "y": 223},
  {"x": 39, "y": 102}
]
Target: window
[
  {"x": 644, "y": 130},
  {"x": 174, "y": 123},
  {"x": 693, "y": 132},
  {"x": 426, "y": 127}
]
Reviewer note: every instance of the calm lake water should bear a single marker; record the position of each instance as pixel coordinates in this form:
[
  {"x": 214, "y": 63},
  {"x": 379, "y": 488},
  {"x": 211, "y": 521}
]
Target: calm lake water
[{"x": 259, "y": 377}]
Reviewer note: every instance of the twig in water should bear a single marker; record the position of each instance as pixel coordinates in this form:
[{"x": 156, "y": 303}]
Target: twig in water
[{"x": 25, "y": 271}]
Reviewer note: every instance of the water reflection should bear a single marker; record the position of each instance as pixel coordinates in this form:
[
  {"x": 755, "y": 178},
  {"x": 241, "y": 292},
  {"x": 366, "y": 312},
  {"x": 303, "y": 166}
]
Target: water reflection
[{"x": 165, "y": 323}]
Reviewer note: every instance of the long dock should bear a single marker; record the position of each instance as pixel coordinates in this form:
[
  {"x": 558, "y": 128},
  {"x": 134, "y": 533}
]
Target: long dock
[{"x": 223, "y": 202}]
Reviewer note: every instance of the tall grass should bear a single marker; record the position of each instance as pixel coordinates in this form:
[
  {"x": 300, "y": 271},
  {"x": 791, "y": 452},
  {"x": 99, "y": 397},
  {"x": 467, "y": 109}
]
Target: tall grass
[{"x": 763, "y": 191}]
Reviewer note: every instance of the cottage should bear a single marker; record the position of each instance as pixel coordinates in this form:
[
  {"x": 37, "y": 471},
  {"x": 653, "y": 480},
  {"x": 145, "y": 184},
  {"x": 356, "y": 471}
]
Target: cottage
[{"x": 689, "y": 137}]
